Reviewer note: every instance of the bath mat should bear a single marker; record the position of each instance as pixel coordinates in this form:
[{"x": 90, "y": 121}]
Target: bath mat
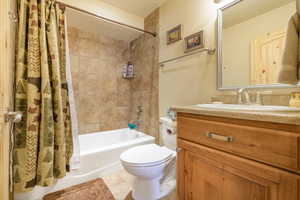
[{"x": 92, "y": 190}]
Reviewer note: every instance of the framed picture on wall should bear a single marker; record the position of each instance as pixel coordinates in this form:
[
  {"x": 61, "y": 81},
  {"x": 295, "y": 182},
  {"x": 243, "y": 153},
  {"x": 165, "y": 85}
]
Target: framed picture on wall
[
  {"x": 194, "y": 41},
  {"x": 174, "y": 35}
]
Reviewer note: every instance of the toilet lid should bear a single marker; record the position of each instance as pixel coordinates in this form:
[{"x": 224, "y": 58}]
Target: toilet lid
[{"x": 146, "y": 155}]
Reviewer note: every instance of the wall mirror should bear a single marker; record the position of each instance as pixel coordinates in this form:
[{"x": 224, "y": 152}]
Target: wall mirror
[{"x": 251, "y": 39}]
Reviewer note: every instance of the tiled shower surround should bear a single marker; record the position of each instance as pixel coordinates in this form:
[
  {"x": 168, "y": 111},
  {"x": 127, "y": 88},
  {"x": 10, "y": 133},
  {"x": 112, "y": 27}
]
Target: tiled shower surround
[
  {"x": 104, "y": 100},
  {"x": 144, "y": 54}
]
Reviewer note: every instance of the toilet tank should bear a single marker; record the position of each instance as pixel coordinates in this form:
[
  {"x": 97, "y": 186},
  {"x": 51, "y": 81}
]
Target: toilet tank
[{"x": 168, "y": 133}]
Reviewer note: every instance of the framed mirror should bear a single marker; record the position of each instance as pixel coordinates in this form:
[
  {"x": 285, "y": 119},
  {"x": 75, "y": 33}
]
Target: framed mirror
[{"x": 251, "y": 39}]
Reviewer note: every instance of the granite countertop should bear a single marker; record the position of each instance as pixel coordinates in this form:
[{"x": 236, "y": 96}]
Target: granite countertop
[{"x": 275, "y": 117}]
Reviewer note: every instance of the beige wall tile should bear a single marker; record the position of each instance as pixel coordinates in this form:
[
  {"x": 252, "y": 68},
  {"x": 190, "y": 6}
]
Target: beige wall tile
[
  {"x": 88, "y": 47},
  {"x": 89, "y": 128},
  {"x": 145, "y": 84},
  {"x": 104, "y": 100},
  {"x": 87, "y": 106}
]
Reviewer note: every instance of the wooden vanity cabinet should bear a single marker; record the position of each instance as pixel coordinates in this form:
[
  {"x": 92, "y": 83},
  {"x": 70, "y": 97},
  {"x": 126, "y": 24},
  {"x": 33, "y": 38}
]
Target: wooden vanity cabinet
[{"x": 208, "y": 172}]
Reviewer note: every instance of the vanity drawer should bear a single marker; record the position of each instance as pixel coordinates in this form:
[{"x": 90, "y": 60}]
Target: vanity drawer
[{"x": 277, "y": 147}]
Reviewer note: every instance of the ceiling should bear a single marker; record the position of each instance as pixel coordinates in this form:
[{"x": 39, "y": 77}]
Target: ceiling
[
  {"x": 140, "y": 8},
  {"x": 248, "y": 9},
  {"x": 94, "y": 25}
]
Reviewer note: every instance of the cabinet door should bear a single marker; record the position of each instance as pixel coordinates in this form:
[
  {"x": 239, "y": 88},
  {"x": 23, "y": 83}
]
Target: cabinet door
[
  {"x": 203, "y": 178},
  {"x": 266, "y": 55},
  {"x": 214, "y": 175}
]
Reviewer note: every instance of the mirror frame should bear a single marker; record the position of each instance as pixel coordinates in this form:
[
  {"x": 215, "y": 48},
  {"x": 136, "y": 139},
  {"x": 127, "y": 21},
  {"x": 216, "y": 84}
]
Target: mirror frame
[{"x": 220, "y": 63}]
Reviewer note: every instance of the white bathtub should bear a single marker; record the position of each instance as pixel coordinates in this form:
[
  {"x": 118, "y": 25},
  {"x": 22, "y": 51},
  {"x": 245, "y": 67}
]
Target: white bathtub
[{"x": 99, "y": 156}]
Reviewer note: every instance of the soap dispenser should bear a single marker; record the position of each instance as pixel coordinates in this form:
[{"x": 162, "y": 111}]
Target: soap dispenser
[
  {"x": 295, "y": 99},
  {"x": 128, "y": 71}
]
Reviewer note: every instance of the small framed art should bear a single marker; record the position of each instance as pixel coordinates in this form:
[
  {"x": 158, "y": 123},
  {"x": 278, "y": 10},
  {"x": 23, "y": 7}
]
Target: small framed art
[
  {"x": 174, "y": 35},
  {"x": 194, "y": 41}
]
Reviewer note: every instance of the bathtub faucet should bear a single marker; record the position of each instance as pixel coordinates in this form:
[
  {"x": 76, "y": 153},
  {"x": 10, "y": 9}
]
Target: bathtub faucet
[
  {"x": 139, "y": 112},
  {"x": 138, "y": 120}
]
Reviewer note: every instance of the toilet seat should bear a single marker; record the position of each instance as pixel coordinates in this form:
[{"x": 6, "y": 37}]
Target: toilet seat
[{"x": 146, "y": 156}]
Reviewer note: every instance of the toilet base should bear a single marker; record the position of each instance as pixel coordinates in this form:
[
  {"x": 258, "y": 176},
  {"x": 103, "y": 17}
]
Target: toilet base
[{"x": 145, "y": 189}]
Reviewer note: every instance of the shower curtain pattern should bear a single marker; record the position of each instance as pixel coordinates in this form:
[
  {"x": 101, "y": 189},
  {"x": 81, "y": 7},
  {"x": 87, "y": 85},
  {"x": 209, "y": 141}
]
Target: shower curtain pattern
[{"x": 43, "y": 140}]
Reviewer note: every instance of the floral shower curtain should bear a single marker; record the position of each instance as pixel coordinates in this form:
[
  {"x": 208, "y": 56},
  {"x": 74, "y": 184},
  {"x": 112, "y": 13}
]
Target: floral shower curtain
[{"x": 43, "y": 140}]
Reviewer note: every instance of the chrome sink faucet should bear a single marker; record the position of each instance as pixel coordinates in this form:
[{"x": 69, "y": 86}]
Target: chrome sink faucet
[{"x": 243, "y": 96}]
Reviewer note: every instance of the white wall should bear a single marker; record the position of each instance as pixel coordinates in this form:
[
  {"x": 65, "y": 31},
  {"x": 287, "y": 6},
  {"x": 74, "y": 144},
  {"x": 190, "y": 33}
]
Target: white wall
[
  {"x": 106, "y": 10},
  {"x": 237, "y": 40},
  {"x": 191, "y": 80}
]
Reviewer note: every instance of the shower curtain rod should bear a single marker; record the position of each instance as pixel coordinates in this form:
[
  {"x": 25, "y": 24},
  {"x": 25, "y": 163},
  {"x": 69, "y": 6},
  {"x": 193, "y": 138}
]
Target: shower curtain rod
[{"x": 105, "y": 19}]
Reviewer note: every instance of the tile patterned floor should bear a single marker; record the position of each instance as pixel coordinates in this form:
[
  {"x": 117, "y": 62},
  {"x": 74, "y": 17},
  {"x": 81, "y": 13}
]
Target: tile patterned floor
[{"x": 120, "y": 184}]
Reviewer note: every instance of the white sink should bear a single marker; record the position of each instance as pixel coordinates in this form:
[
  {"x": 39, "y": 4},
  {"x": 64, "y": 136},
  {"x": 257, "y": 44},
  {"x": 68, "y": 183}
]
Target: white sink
[{"x": 236, "y": 107}]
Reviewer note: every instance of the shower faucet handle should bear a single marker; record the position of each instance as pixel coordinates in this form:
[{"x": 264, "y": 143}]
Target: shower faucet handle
[{"x": 140, "y": 108}]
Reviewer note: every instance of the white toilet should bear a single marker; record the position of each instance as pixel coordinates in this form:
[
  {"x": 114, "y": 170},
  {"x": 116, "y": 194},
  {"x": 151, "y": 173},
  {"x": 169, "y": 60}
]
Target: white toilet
[{"x": 153, "y": 166}]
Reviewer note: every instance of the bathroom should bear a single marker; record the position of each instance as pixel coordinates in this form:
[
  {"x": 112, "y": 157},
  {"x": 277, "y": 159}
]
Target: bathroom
[{"x": 164, "y": 99}]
